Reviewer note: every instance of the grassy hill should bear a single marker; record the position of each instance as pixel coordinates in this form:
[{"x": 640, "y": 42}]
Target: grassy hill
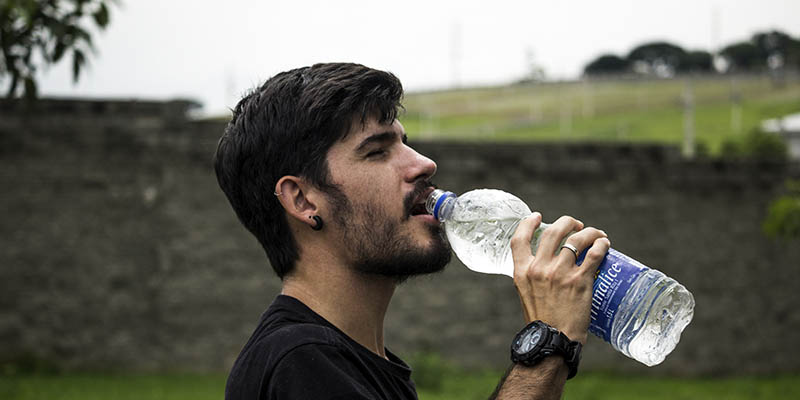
[{"x": 725, "y": 109}]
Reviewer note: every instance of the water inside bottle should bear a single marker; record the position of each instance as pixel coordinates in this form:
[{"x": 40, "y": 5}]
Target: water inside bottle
[
  {"x": 481, "y": 228},
  {"x": 650, "y": 326}
]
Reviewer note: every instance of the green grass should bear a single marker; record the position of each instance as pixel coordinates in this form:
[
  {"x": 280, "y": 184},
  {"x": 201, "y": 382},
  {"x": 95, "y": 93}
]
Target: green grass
[
  {"x": 112, "y": 387},
  {"x": 638, "y": 111},
  {"x": 453, "y": 386},
  {"x": 598, "y": 386}
]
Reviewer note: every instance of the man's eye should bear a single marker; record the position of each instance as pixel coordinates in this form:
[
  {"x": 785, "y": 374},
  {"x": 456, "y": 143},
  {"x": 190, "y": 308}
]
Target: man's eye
[{"x": 376, "y": 153}]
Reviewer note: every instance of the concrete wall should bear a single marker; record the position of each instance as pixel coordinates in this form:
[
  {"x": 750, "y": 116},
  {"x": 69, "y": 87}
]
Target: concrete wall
[{"x": 119, "y": 251}]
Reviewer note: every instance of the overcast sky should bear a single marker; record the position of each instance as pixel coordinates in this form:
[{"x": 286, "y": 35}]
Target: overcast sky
[{"x": 213, "y": 51}]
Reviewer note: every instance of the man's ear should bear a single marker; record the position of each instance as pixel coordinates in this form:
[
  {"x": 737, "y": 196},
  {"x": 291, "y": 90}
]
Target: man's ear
[{"x": 298, "y": 198}]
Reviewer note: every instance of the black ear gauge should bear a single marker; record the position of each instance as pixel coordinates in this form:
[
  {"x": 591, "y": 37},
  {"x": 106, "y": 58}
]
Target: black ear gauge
[{"x": 317, "y": 223}]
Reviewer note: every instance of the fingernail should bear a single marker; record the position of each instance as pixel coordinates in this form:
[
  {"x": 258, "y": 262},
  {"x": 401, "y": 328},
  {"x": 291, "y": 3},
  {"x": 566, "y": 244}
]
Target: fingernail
[{"x": 604, "y": 233}]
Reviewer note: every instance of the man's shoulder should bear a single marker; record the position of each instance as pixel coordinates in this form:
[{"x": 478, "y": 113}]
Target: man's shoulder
[
  {"x": 285, "y": 326},
  {"x": 275, "y": 340},
  {"x": 289, "y": 336}
]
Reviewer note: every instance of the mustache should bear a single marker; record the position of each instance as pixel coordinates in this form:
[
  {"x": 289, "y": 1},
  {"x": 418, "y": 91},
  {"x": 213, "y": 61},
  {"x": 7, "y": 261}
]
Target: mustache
[{"x": 410, "y": 199}]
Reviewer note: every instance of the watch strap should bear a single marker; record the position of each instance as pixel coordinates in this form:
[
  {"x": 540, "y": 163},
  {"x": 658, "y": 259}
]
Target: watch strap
[{"x": 573, "y": 357}]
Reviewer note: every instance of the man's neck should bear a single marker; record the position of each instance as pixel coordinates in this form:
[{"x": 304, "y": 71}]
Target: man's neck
[{"x": 353, "y": 302}]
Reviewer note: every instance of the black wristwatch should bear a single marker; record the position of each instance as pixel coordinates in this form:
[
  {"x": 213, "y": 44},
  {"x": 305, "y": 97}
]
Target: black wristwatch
[{"x": 538, "y": 340}]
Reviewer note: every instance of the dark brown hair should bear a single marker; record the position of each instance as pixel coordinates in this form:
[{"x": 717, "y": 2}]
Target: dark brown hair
[{"x": 286, "y": 127}]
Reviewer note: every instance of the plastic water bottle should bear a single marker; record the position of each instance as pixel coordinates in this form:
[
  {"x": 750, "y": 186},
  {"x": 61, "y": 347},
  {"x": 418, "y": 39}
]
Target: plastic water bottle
[{"x": 640, "y": 311}]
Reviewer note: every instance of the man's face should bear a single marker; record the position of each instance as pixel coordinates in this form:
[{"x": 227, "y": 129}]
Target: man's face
[{"x": 379, "y": 206}]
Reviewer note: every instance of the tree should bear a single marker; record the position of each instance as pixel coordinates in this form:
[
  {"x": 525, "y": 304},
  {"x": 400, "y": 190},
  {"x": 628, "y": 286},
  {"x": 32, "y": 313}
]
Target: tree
[
  {"x": 756, "y": 145},
  {"x": 607, "y": 64},
  {"x": 778, "y": 49},
  {"x": 658, "y": 58},
  {"x": 696, "y": 61},
  {"x": 744, "y": 56},
  {"x": 783, "y": 215},
  {"x": 41, "y": 32}
]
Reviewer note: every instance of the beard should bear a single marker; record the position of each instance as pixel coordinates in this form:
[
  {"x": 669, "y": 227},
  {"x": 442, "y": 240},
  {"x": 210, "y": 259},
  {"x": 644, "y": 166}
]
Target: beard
[{"x": 378, "y": 245}]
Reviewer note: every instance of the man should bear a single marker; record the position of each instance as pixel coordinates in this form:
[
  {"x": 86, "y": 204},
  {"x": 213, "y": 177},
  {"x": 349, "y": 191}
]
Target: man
[{"x": 316, "y": 166}]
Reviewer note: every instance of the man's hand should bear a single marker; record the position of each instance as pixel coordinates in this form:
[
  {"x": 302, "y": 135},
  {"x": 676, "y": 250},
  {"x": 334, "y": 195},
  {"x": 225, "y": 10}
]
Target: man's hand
[{"x": 551, "y": 287}]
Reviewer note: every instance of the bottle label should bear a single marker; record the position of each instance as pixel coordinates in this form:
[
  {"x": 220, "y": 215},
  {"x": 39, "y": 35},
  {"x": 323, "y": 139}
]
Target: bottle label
[{"x": 614, "y": 277}]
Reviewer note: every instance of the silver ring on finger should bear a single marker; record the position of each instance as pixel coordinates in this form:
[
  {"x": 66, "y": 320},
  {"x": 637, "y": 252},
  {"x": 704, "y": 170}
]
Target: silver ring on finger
[{"x": 571, "y": 248}]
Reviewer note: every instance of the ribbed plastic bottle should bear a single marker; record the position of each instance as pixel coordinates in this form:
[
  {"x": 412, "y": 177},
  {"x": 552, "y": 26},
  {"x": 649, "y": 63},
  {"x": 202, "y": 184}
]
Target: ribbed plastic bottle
[{"x": 638, "y": 310}]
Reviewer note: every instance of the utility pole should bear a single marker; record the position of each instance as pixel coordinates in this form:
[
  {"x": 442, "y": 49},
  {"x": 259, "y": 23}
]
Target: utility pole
[
  {"x": 565, "y": 120},
  {"x": 715, "y": 30},
  {"x": 455, "y": 53},
  {"x": 736, "y": 106},
  {"x": 688, "y": 120},
  {"x": 588, "y": 99}
]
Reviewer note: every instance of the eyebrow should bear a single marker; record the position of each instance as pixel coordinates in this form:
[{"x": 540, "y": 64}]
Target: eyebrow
[{"x": 382, "y": 137}]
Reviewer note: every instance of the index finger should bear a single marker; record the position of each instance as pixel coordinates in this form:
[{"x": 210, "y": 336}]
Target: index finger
[
  {"x": 555, "y": 234},
  {"x": 521, "y": 240}
]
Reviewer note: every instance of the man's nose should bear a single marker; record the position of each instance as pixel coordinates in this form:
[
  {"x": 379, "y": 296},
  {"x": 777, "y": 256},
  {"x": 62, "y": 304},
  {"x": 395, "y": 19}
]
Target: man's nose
[{"x": 421, "y": 167}]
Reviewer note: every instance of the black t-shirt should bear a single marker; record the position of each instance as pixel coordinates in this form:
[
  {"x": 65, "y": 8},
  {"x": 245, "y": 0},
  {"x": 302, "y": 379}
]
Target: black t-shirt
[{"x": 294, "y": 353}]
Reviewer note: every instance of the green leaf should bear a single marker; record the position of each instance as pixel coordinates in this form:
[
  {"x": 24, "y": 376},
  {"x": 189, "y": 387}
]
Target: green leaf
[
  {"x": 79, "y": 7},
  {"x": 78, "y": 60},
  {"x": 76, "y": 32},
  {"x": 783, "y": 218},
  {"x": 101, "y": 16},
  {"x": 59, "y": 51}
]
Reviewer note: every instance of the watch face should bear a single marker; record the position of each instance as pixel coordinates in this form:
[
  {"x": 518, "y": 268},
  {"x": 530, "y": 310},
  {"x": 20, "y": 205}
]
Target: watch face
[{"x": 529, "y": 340}]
